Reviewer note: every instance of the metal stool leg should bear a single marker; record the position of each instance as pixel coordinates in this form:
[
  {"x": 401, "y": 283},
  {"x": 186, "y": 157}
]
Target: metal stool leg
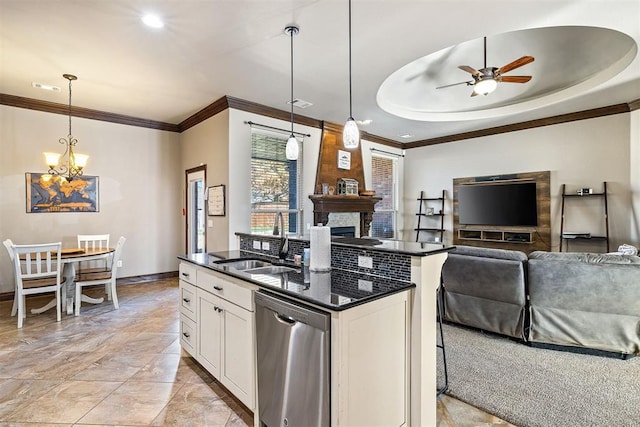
[{"x": 441, "y": 345}]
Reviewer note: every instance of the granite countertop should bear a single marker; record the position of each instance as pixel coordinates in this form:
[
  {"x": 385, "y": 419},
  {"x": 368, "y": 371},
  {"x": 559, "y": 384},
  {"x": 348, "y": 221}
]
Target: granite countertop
[
  {"x": 381, "y": 245},
  {"x": 335, "y": 290}
]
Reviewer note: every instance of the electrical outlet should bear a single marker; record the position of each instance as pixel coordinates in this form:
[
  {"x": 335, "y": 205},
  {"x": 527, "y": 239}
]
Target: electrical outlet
[
  {"x": 119, "y": 264},
  {"x": 256, "y": 244},
  {"x": 265, "y": 246},
  {"x": 365, "y": 285},
  {"x": 365, "y": 261}
]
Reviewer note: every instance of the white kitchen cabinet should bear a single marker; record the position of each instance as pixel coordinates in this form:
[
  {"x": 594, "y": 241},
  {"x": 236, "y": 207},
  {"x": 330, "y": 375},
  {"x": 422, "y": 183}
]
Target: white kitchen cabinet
[
  {"x": 209, "y": 332},
  {"x": 217, "y": 328},
  {"x": 188, "y": 317},
  {"x": 370, "y": 363}
]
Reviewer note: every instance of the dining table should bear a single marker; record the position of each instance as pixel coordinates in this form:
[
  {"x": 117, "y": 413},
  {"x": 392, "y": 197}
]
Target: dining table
[{"x": 69, "y": 257}]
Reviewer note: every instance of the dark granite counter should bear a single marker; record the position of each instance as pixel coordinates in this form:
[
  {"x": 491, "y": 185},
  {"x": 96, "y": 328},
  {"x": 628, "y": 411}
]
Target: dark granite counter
[
  {"x": 394, "y": 246},
  {"x": 335, "y": 290}
]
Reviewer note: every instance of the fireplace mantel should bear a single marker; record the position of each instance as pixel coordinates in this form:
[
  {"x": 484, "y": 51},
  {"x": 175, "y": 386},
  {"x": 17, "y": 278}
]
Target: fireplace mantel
[{"x": 325, "y": 204}]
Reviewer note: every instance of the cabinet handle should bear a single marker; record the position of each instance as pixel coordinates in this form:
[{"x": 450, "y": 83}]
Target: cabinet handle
[
  {"x": 218, "y": 309},
  {"x": 187, "y": 300},
  {"x": 217, "y": 288},
  {"x": 186, "y": 275},
  {"x": 186, "y": 335}
]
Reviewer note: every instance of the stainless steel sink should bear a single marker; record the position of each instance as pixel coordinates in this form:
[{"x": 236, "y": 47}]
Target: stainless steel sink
[
  {"x": 272, "y": 269},
  {"x": 243, "y": 264}
]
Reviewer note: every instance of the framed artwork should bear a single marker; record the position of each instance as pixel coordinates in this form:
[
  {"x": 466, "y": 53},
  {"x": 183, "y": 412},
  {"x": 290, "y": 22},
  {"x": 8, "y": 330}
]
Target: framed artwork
[
  {"x": 215, "y": 200},
  {"x": 344, "y": 160},
  {"x": 48, "y": 193}
]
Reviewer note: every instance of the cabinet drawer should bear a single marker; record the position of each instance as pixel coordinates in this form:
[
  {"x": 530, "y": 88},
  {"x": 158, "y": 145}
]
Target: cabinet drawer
[
  {"x": 188, "y": 272},
  {"x": 188, "y": 304},
  {"x": 188, "y": 335},
  {"x": 230, "y": 291}
]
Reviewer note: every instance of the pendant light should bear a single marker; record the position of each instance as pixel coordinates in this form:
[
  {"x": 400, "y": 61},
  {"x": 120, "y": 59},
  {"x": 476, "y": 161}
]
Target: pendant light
[
  {"x": 71, "y": 164},
  {"x": 350, "y": 133},
  {"x": 292, "y": 150}
]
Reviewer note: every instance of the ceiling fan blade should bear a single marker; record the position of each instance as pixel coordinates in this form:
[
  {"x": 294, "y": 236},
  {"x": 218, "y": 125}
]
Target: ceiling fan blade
[
  {"x": 470, "y": 70},
  {"x": 514, "y": 79},
  {"x": 469, "y": 83},
  {"x": 515, "y": 64}
]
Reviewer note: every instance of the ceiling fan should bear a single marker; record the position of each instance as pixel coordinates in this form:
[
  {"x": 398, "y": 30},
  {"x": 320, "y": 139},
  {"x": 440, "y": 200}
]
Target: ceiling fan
[{"x": 485, "y": 80}]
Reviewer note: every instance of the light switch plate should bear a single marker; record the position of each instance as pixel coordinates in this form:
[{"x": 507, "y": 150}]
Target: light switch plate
[
  {"x": 365, "y": 285},
  {"x": 256, "y": 244},
  {"x": 265, "y": 246},
  {"x": 209, "y": 223},
  {"x": 365, "y": 261}
]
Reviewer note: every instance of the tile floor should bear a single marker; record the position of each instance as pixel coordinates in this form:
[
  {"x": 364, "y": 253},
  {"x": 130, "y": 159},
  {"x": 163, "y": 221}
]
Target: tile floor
[{"x": 125, "y": 368}]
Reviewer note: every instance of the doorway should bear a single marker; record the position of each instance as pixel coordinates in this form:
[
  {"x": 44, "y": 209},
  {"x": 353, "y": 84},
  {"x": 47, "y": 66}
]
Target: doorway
[{"x": 194, "y": 213}]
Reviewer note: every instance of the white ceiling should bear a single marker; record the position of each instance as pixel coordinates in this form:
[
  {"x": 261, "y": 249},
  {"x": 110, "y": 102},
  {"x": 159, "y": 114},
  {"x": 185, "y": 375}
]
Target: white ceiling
[{"x": 212, "y": 48}]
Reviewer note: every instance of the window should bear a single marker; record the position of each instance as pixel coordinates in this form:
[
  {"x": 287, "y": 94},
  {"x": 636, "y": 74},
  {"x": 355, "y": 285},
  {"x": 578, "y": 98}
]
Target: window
[
  {"x": 383, "y": 173},
  {"x": 276, "y": 183}
]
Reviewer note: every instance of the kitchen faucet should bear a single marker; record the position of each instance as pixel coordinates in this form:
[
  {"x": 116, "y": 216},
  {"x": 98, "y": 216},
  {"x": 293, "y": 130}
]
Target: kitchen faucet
[{"x": 283, "y": 249}]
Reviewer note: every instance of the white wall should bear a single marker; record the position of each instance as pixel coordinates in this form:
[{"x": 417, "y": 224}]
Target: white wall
[
  {"x": 207, "y": 144},
  {"x": 239, "y": 191},
  {"x": 580, "y": 154},
  {"x": 634, "y": 160},
  {"x": 139, "y": 188}
]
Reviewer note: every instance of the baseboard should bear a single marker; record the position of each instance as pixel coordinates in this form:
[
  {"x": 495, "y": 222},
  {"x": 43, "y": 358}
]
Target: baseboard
[
  {"x": 582, "y": 350},
  {"x": 131, "y": 280}
]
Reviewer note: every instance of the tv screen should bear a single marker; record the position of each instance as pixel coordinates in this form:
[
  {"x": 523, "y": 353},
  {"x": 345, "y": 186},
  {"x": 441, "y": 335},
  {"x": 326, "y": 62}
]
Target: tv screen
[{"x": 512, "y": 204}]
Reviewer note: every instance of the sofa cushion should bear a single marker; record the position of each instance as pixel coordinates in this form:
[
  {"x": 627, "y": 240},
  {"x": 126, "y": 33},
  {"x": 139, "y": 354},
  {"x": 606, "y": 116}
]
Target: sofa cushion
[
  {"x": 589, "y": 258},
  {"x": 490, "y": 253}
]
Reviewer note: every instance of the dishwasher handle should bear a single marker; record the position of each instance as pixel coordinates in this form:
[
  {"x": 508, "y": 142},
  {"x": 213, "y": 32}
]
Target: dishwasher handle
[
  {"x": 290, "y": 321},
  {"x": 287, "y": 310}
]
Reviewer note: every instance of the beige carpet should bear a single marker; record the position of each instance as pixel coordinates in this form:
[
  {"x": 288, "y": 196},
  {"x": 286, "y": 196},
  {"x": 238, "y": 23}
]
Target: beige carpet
[{"x": 538, "y": 387}]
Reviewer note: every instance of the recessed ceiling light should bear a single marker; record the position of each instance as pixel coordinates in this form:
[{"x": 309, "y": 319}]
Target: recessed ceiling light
[
  {"x": 406, "y": 135},
  {"x": 153, "y": 21},
  {"x": 45, "y": 87},
  {"x": 364, "y": 122}
]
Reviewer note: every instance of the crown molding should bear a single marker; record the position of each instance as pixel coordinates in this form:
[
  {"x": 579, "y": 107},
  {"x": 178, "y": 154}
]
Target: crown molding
[
  {"x": 240, "y": 104},
  {"x": 86, "y": 113},
  {"x": 547, "y": 121}
]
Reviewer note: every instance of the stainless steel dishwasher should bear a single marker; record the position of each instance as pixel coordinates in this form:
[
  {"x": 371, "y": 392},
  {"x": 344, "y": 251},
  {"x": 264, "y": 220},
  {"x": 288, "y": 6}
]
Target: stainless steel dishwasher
[{"x": 293, "y": 363}]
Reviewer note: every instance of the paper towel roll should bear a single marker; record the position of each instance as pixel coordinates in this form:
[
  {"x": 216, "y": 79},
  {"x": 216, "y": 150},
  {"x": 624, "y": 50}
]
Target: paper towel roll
[{"x": 320, "y": 242}]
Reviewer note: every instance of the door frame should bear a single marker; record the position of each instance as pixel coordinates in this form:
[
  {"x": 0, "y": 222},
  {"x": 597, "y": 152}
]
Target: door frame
[{"x": 202, "y": 168}]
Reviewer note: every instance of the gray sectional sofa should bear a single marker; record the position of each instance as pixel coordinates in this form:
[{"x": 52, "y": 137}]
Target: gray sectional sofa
[
  {"x": 565, "y": 300},
  {"x": 485, "y": 288}
]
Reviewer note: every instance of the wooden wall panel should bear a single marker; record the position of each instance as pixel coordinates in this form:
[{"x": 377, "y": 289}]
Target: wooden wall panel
[{"x": 327, "y": 170}]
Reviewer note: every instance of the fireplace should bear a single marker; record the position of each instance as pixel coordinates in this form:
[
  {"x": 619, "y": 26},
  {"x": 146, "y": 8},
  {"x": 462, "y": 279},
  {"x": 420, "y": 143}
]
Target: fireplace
[{"x": 325, "y": 204}]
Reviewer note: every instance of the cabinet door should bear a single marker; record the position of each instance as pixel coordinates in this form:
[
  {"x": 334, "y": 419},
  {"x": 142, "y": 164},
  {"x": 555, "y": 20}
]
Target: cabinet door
[
  {"x": 238, "y": 352},
  {"x": 209, "y": 328}
]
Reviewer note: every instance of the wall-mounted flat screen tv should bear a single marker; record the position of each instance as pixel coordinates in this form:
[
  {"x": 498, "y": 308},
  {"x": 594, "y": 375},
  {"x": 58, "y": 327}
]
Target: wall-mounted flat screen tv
[{"x": 507, "y": 204}]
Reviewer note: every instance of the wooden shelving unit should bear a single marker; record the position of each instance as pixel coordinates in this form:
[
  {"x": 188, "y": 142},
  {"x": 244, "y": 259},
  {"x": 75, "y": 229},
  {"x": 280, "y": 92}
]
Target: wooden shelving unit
[
  {"x": 431, "y": 209},
  {"x": 496, "y": 235},
  {"x": 583, "y": 197}
]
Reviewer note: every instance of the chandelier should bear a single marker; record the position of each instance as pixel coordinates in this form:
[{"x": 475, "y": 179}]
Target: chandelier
[{"x": 70, "y": 164}]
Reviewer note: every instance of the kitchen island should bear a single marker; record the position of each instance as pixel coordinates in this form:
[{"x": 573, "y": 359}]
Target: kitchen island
[{"x": 381, "y": 296}]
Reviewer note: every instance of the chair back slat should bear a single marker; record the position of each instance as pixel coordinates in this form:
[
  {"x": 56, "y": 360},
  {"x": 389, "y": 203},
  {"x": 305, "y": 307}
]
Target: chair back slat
[
  {"x": 93, "y": 241},
  {"x": 37, "y": 261}
]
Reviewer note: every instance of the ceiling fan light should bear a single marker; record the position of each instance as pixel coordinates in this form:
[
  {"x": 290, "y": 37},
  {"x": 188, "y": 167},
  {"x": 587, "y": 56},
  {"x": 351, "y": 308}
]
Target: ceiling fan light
[
  {"x": 485, "y": 86},
  {"x": 292, "y": 150},
  {"x": 351, "y": 134}
]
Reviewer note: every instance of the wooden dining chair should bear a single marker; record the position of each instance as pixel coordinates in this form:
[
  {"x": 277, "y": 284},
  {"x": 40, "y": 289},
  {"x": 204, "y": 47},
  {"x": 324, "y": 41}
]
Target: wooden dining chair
[
  {"x": 100, "y": 276},
  {"x": 37, "y": 270},
  {"x": 14, "y": 308},
  {"x": 93, "y": 241}
]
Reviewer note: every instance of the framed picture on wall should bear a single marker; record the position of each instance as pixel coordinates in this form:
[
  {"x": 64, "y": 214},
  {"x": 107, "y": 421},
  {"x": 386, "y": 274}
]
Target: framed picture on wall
[
  {"x": 46, "y": 193},
  {"x": 215, "y": 200}
]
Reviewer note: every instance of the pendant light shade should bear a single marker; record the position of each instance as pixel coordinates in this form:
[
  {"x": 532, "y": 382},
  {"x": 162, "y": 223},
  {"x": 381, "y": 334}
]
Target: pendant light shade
[
  {"x": 292, "y": 150},
  {"x": 350, "y": 133}
]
